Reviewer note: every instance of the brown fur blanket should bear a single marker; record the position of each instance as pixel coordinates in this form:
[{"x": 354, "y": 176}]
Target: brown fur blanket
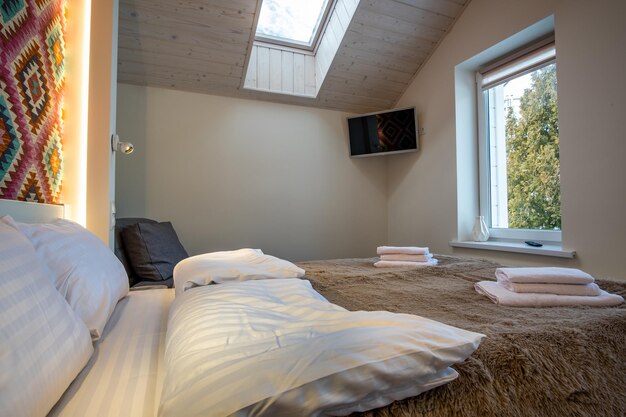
[{"x": 560, "y": 361}]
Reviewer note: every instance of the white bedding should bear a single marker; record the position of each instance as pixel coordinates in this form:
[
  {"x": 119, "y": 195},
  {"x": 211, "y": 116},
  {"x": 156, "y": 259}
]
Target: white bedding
[
  {"x": 246, "y": 348},
  {"x": 124, "y": 376},
  {"x": 231, "y": 266}
]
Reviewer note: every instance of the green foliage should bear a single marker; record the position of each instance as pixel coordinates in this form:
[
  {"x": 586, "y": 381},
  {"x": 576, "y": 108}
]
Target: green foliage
[{"x": 534, "y": 194}]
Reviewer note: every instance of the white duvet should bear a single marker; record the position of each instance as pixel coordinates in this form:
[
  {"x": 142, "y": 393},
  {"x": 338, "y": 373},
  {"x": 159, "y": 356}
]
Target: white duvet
[{"x": 278, "y": 348}]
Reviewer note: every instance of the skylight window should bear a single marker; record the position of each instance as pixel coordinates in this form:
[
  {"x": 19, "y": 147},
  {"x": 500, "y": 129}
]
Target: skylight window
[{"x": 292, "y": 22}]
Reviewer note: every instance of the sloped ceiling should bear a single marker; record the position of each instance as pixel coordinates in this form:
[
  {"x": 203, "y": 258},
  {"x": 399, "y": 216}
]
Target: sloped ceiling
[{"x": 202, "y": 45}]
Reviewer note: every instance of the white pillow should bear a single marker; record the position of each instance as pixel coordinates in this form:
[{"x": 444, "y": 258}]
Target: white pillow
[
  {"x": 231, "y": 266},
  {"x": 85, "y": 271},
  {"x": 43, "y": 345}
]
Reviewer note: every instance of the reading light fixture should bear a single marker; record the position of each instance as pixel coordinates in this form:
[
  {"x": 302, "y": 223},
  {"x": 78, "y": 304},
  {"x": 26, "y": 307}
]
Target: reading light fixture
[{"x": 124, "y": 147}]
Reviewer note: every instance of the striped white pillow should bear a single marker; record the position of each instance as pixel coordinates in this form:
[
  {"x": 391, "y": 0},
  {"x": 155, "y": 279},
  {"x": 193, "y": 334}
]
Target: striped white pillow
[
  {"x": 43, "y": 345},
  {"x": 84, "y": 270}
]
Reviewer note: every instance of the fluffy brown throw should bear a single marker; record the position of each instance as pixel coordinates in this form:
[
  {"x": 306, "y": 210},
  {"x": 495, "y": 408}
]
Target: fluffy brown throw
[{"x": 560, "y": 361}]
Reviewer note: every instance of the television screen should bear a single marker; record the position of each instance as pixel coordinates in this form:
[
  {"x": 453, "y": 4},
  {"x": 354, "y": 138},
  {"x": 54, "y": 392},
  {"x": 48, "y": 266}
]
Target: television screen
[{"x": 392, "y": 131}]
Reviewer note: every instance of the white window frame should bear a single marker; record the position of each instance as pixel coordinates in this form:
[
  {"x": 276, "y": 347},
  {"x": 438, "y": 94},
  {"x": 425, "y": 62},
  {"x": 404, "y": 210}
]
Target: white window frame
[
  {"x": 302, "y": 46},
  {"x": 484, "y": 164}
]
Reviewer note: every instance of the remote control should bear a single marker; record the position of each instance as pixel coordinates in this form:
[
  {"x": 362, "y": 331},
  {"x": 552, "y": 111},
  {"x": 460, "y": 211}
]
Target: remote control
[{"x": 533, "y": 243}]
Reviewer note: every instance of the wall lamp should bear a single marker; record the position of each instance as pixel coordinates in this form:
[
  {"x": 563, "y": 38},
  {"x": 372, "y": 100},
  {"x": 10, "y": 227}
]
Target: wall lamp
[{"x": 124, "y": 147}]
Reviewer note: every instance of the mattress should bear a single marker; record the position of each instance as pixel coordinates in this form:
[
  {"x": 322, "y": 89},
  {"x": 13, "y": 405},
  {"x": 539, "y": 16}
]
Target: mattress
[{"x": 125, "y": 374}]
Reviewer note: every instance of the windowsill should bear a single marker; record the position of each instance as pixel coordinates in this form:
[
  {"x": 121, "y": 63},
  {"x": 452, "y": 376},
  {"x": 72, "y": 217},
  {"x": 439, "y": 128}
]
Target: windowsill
[{"x": 548, "y": 249}]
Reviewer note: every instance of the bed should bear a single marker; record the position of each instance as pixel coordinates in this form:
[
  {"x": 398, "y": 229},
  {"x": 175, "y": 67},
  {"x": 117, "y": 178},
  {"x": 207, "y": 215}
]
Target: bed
[{"x": 533, "y": 362}]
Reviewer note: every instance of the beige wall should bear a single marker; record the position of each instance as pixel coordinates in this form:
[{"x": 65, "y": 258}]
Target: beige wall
[
  {"x": 233, "y": 173},
  {"x": 88, "y": 108},
  {"x": 75, "y": 108},
  {"x": 423, "y": 204},
  {"x": 101, "y": 121}
]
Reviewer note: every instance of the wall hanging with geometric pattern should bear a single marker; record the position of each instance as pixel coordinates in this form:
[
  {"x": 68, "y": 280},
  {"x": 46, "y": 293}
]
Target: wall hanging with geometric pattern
[{"x": 32, "y": 75}]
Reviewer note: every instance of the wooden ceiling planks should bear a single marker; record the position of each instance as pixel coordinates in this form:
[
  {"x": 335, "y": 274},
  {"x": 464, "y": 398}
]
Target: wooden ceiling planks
[{"x": 202, "y": 46}]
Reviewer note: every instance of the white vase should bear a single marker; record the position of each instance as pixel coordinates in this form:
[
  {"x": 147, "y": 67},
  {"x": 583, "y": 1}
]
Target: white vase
[{"x": 480, "y": 232}]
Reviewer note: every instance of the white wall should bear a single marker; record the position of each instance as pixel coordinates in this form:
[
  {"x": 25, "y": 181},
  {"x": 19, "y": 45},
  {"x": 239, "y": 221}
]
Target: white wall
[
  {"x": 233, "y": 173},
  {"x": 75, "y": 107},
  {"x": 87, "y": 162},
  {"x": 591, "y": 63},
  {"x": 100, "y": 175}
]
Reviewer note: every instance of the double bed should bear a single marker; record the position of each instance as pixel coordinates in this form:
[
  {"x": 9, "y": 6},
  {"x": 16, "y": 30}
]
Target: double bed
[{"x": 533, "y": 361}]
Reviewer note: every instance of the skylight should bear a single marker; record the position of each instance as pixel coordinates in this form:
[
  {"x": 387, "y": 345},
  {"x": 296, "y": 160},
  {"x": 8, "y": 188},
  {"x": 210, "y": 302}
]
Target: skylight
[{"x": 291, "y": 22}]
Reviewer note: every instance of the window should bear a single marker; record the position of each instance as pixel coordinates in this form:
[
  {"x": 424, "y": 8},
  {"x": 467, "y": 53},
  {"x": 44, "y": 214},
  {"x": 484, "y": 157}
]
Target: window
[
  {"x": 519, "y": 145},
  {"x": 294, "y": 23}
]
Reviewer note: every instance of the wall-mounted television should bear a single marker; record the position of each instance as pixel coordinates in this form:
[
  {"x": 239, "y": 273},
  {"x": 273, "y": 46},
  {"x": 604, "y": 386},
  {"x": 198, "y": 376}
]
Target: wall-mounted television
[{"x": 384, "y": 133}]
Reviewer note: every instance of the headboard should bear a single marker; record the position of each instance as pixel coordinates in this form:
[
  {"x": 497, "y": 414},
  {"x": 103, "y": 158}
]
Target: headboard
[{"x": 26, "y": 212}]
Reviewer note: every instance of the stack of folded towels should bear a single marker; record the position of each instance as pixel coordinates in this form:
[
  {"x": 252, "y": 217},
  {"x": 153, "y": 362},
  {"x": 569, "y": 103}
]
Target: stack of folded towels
[
  {"x": 404, "y": 256},
  {"x": 545, "y": 287}
]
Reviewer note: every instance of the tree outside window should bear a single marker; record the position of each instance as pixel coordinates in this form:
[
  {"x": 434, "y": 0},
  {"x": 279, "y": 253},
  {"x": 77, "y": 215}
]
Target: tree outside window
[{"x": 532, "y": 155}]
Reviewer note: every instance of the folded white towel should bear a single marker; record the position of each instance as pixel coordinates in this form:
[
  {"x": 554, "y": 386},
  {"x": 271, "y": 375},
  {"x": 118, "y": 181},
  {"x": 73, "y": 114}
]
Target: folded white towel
[
  {"x": 588, "y": 290},
  {"x": 404, "y": 257},
  {"x": 407, "y": 250},
  {"x": 404, "y": 264},
  {"x": 500, "y": 295},
  {"x": 546, "y": 275}
]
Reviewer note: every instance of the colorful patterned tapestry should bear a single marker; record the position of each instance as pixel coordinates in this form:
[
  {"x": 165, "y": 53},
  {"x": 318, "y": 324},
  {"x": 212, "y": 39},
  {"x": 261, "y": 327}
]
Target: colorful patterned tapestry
[{"x": 32, "y": 68}]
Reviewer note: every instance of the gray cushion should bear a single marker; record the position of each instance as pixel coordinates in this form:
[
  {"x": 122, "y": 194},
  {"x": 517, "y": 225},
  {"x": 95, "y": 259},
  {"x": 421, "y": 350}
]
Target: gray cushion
[
  {"x": 153, "y": 250},
  {"x": 120, "y": 224}
]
